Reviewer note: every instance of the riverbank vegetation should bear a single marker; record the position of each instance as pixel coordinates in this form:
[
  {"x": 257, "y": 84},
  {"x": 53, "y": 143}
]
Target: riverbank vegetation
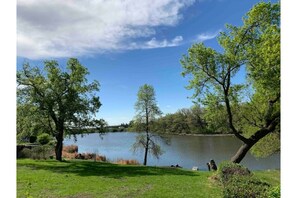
[
  {"x": 76, "y": 178},
  {"x": 194, "y": 120}
]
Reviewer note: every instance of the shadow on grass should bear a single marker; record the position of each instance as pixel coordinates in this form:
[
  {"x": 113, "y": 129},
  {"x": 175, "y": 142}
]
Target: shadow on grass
[{"x": 90, "y": 168}]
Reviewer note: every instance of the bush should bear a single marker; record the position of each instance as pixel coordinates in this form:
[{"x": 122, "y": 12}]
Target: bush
[
  {"x": 41, "y": 152},
  {"x": 245, "y": 187},
  {"x": 229, "y": 169},
  {"x": 238, "y": 182},
  {"x": 43, "y": 138},
  {"x": 274, "y": 192},
  {"x": 52, "y": 142},
  {"x": 25, "y": 153}
]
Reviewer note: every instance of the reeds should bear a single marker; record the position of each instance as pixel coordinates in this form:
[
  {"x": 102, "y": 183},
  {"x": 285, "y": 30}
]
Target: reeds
[{"x": 71, "y": 152}]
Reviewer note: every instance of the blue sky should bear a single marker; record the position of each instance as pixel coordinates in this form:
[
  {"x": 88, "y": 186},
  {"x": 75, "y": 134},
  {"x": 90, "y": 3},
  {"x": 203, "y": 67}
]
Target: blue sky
[{"x": 125, "y": 44}]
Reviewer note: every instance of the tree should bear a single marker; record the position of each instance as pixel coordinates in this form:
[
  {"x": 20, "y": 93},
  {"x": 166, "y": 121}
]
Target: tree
[
  {"x": 255, "y": 47},
  {"x": 146, "y": 112},
  {"x": 64, "y": 99}
]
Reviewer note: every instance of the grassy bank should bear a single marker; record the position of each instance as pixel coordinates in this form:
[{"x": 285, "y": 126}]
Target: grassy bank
[{"x": 87, "y": 179}]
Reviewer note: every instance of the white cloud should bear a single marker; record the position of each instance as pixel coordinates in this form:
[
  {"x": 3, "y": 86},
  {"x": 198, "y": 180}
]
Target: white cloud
[
  {"x": 154, "y": 43},
  {"x": 207, "y": 36},
  {"x": 71, "y": 28}
]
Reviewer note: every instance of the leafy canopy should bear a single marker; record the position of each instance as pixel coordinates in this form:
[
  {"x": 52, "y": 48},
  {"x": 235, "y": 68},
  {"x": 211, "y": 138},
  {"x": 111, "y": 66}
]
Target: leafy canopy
[
  {"x": 63, "y": 98},
  {"x": 146, "y": 105}
]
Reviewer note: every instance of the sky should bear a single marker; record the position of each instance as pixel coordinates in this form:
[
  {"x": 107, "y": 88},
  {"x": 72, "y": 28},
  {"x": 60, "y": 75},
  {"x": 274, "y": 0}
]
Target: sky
[{"x": 125, "y": 44}]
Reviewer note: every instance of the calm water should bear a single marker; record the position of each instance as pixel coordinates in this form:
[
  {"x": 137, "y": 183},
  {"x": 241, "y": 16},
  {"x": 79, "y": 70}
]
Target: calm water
[{"x": 187, "y": 151}]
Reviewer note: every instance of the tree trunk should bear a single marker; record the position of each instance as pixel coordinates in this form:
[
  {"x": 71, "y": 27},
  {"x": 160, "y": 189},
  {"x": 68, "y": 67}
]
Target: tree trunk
[
  {"x": 242, "y": 151},
  {"x": 250, "y": 142},
  {"x": 145, "y": 156},
  {"x": 58, "y": 149},
  {"x": 59, "y": 145},
  {"x": 146, "y": 149},
  {"x": 147, "y": 136}
]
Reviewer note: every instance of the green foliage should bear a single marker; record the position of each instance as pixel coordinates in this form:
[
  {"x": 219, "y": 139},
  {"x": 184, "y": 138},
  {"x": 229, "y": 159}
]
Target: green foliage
[
  {"x": 55, "y": 100},
  {"x": 60, "y": 95},
  {"x": 245, "y": 187},
  {"x": 274, "y": 192},
  {"x": 184, "y": 121},
  {"x": 252, "y": 108},
  {"x": 30, "y": 121},
  {"x": 146, "y": 105},
  {"x": 43, "y": 138},
  {"x": 25, "y": 153},
  {"x": 229, "y": 169},
  {"x": 146, "y": 112},
  {"x": 37, "y": 152},
  {"x": 267, "y": 146},
  {"x": 215, "y": 115},
  {"x": 238, "y": 182},
  {"x": 153, "y": 147},
  {"x": 41, "y": 152}
]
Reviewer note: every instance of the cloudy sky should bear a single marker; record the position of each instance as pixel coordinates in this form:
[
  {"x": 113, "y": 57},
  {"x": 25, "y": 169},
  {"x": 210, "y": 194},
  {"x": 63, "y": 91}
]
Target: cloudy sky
[{"x": 125, "y": 43}]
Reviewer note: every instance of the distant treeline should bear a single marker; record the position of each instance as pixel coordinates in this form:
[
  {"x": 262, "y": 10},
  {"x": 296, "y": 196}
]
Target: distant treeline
[
  {"x": 194, "y": 120},
  {"x": 117, "y": 128}
]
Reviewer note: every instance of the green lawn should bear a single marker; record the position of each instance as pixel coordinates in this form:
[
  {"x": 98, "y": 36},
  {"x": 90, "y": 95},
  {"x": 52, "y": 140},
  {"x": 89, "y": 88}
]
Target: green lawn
[
  {"x": 270, "y": 176},
  {"x": 86, "y": 179}
]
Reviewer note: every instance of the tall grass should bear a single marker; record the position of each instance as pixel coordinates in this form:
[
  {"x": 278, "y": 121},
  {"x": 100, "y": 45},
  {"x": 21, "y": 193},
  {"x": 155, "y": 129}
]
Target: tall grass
[
  {"x": 71, "y": 152},
  {"x": 127, "y": 162}
]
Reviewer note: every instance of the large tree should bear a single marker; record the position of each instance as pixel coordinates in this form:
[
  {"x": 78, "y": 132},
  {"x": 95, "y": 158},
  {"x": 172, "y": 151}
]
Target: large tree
[
  {"x": 64, "y": 99},
  {"x": 252, "y": 107},
  {"x": 146, "y": 112}
]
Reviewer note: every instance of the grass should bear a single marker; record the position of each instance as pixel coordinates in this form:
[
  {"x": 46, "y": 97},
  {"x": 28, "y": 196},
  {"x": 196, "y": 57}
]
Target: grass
[
  {"x": 87, "y": 179},
  {"x": 272, "y": 177}
]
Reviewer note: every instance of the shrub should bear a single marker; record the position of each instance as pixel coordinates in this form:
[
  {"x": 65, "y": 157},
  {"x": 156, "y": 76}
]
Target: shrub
[
  {"x": 41, "y": 152},
  {"x": 25, "y": 153},
  {"x": 43, "y": 138},
  {"x": 274, "y": 192},
  {"x": 241, "y": 186},
  {"x": 52, "y": 142},
  {"x": 70, "y": 149},
  {"x": 238, "y": 182},
  {"x": 228, "y": 169}
]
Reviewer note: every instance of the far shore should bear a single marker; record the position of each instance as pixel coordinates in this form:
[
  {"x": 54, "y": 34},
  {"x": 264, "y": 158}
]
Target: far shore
[
  {"x": 185, "y": 134},
  {"x": 180, "y": 134}
]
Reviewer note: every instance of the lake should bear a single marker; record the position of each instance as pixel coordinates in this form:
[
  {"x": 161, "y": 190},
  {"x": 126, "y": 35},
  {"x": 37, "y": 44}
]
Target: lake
[{"x": 186, "y": 151}]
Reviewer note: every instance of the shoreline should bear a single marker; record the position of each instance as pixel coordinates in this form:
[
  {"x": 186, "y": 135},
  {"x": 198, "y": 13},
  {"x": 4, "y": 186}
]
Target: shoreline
[
  {"x": 178, "y": 134},
  {"x": 213, "y": 135}
]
